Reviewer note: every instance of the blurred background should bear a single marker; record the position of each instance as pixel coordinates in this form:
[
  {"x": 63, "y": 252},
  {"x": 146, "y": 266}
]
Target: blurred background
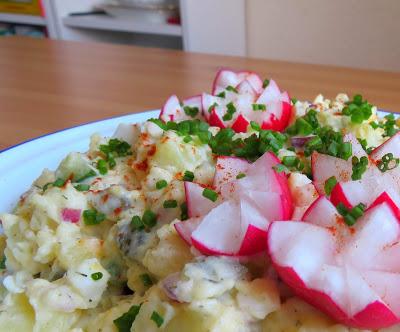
[{"x": 352, "y": 33}]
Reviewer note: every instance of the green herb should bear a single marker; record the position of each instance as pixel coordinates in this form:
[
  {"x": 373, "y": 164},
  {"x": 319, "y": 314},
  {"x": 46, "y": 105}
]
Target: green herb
[
  {"x": 330, "y": 184},
  {"x": 390, "y": 125},
  {"x": 188, "y": 176},
  {"x": 88, "y": 175},
  {"x": 96, "y": 276},
  {"x": 82, "y": 187},
  {"x": 388, "y": 162},
  {"x": 159, "y": 123},
  {"x": 240, "y": 176},
  {"x": 293, "y": 163},
  {"x": 265, "y": 83},
  {"x": 102, "y": 166},
  {"x": 255, "y": 126},
  {"x": 187, "y": 139},
  {"x": 3, "y": 263},
  {"x": 210, "y": 194},
  {"x": 259, "y": 107},
  {"x": 161, "y": 184},
  {"x": 116, "y": 147},
  {"x": 184, "y": 211},
  {"x": 231, "y": 88},
  {"x": 191, "y": 111},
  {"x": 221, "y": 94},
  {"x": 136, "y": 223},
  {"x": 358, "y": 109},
  {"x": 350, "y": 216},
  {"x": 146, "y": 280},
  {"x": 170, "y": 204},
  {"x": 279, "y": 168},
  {"x": 157, "y": 318},
  {"x": 149, "y": 218},
  {"x": 359, "y": 167},
  {"x": 59, "y": 183},
  {"x": 93, "y": 217},
  {"x": 231, "y": 109},
  {"x": 212, "y": 106},
  {"x": 294, "y": 101},
  {"x": 124, "y": 322}
]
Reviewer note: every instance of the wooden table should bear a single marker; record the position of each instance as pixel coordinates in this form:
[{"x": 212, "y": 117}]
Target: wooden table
[{"x": 49, "y": 85}]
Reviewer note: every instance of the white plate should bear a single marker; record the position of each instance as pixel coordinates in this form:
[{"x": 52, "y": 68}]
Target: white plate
[{"x": 20, "y": 165}]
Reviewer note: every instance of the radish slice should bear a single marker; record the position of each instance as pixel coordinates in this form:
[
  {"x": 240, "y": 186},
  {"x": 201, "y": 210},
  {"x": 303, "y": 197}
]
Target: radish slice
[
  {"x": 186, "y": 228},
  {"x": 255, "y": 82},
  {"x": 341, "y": 275},
  {"x": 246, "y": 88},
  {"x": 240, "y": 124},
  {"x": 207, "y": 102},
  {"x": 227, "y": 168},
  {"x": 225, "y": 78},
  {"x": 197, "y": 204},
  {"x": 194, "y": 101},
  {"x": 215, "y": 119},
  {"x": 172, "y": 110},
  {"x": 270, "y": 94},
  {"x": 392, "y": 145},
  {"x": 71, "y": 215},
  {"x": 322, "y": 213}
]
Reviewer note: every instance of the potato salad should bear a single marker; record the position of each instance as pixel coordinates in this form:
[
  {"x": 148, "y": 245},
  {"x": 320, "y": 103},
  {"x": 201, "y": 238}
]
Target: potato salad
[{"x": 240, "y": 210}]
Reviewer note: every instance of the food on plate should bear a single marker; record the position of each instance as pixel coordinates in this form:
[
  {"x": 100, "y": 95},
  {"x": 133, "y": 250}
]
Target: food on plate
[{"x": 240, "y": 210}]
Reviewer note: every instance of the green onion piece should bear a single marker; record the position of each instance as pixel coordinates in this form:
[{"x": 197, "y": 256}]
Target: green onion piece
[
  {"x": 259, "y": 107},
  {"x": 102, "y": 166},
  {"x": 59, "y": 183},
  {"x": 82, "y": 187},
  {"x": 157, "y": 319},
  {"x": 293, "y": 100},
  {"x": 124, "y": 322},
  {"x": 111, "y": 162},
  {"x": 3, "y": 263},
  {"x": 88, "y": 175},
  {"x": 188, "y": 176},
  {"x": 240, "y": 176},
  {"x": 221, "y": 94},
  {"x": 279, "y": 168},
  {"x": 187, "y": 139},
  {"x": 345, "y": 150},
  {"x": 210, "y": 194},
  {"x": 303, "y": 127},
  {"x": 359, "y": 167},
  {"x": 96, "y": 276},
  {"x": 161, "y": 184},
  {"x": 231, "y": 88},
  {"x": 146, "y": 280},
  {"x": 46, "y": 186},
  {"x": 212, "y": 106},
  {"x": 265, "y": 83},
  {"x": 159, "y": 123},
  {"x": 255, "y": 126},
  {"x": 136, "y": 223},
  {"x": 349, "y": 219},
  {"x": 191, "y": 111},
  {"x": 149, "y": 218},
  {"x": 290, "y": 161},
  {"x": 330, "y": 184},
  {"x": 170, "y": 204},
  {"x": 341, "y": 208},
  {"x": 92, "y": 217},
  {"x": 388, "y": 162},
  {"x": 184, "y": 211}
]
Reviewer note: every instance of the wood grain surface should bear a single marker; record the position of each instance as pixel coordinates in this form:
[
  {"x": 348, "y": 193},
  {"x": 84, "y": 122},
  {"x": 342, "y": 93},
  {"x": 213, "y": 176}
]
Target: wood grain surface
[{"x": 49, "y": 85}]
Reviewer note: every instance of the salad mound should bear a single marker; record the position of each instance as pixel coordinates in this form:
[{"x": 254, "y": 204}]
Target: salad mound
[{"x": 239, "y": 210}]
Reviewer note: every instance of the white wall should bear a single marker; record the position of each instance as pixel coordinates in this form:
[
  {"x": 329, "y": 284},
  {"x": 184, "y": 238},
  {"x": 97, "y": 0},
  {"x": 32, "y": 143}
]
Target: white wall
[{"x": 356, "y": 33}]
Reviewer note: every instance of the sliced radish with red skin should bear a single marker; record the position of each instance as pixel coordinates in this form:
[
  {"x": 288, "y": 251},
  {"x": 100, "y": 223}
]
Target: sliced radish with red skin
[
  {"x": 172, "y": 110},
  {"x": 343, "y": 280},
  {"x": 215, "y": 120},
  {"x": 386, "y": 198},
  {"x": 285, "y": 98},
  {"x": 197, "y": 204},
  {"x": 217, "y": 234},
  {"x": 247, "y": 89},
  {"x": 322, "y": 213},
  {"x": 240, "y": 125},
  {"x": 227, "y": 168},
  {"x": 225, "y": 78},
  {"x": 255, "y": 81},
  {"x": 278, "y": 123},
  {"x": 392, "y": 145},
  {"x": 71, "y": 215},
  {"x": 270, "y": 94},
  {"x": 324, "y": 166},
  {"x": 186, "y": 228},
  {"x": 207, "y": 101}
]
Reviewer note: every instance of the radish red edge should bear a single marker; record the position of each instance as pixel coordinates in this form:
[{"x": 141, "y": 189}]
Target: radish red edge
[
  {"x": 240, "y": 125},
  {"x": 71, "y": 215},
  {"x": 338, "y": 196},
  {"x": 385, "y": 198},
  {"x": 214, "y": 120}
]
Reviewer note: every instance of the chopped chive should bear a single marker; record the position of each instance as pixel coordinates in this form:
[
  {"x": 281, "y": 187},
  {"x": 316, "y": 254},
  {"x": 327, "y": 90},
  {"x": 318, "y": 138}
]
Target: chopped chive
[
  {"x": 187, "y": 139},
  {"x": 88, "y": 175},
  {"x": 265, "y": 83},
  {"x": 330, "y": 184},
  {"x": 82, "y": 187},
  {"x": 259, "y": 107},
  {"x": 359, "y": 167},
  {"x": 184, "y": 211},
  {"x": 149, "y": 218},
  {"x": 210, "y": 194},
  {"x": 221, "y": 94},
  {"x": 136, "y": 223},
  {"x": 124, "y": 322},
  {"x": 146, "y": 280},
  {"x": 59, "y": 183},
  {"x": 161, "y": 184},
  {"x": 293, "y": 100},
  {"x": 96, "y": 276},
  {"x": 170, "y": 204},
  {"x": 191, "y": 111},
  {"x": 231, "y": 88},
  {"x": 157, "y": 319},
  {"x": 93, "y": 217},
  {"x": 212, "y": 106},
  {"x": 188, "y": 176},
  {"x": 255, "y": 126},
  {"x": 3, "y": 263},
  {"x": 240, "y": 176},
  {"x": 102, "y": 166},
  {"x": 279, "y": 168},
  {"x": 346, "y": 150}
]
